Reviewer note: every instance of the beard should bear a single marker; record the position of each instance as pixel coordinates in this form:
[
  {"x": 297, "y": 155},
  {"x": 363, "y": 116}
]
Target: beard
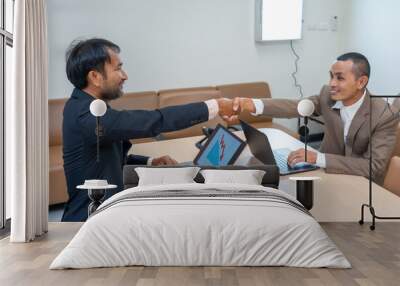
[{"x": 111, "y": 93}]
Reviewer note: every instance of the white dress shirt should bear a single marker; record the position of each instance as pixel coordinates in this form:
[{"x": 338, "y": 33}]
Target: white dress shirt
[{"x": 347, "y": 114}]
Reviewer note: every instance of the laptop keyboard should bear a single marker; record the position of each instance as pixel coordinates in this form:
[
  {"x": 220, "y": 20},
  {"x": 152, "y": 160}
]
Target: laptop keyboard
[{"x": 281, "y": 156}]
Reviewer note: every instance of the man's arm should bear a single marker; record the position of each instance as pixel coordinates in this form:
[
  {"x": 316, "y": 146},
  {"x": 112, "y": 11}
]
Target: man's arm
[
  {"x": 277, "y": 108},
  {"x": 131, "y": 124}
]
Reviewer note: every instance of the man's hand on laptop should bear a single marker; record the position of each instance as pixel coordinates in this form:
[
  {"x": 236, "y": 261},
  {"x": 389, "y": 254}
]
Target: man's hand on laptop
[
  {"x": 298, "y": 156},
  {"x": 164, "y": 160}
]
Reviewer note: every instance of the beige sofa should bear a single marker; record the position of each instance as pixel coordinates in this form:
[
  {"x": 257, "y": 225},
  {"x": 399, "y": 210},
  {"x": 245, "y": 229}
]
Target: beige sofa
[
  {"x": 57, "y": 183},
  {"x": 152, "y": 100},
  {"x": 392, "y": 178}
]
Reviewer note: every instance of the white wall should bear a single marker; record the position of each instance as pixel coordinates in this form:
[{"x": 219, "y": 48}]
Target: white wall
[
  {"x": 373, "y": 30},
  {"x": 175, "y": 43}
]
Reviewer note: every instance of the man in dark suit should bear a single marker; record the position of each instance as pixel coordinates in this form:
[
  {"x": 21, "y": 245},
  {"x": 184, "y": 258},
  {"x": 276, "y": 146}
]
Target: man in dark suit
[
  {"x": 345, "y": 108},
  {"x": 95, "y": 69}
]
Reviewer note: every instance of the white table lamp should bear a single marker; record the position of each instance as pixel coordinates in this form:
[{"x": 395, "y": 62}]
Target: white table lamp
[
  {"x": 305, "y": 108},
  {"x": 98, "y": 108}
]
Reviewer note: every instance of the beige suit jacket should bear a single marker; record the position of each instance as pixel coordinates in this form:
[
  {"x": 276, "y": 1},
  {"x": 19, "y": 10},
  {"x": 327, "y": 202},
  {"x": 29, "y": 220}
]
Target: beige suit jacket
[{"x": 352, "y": 156}]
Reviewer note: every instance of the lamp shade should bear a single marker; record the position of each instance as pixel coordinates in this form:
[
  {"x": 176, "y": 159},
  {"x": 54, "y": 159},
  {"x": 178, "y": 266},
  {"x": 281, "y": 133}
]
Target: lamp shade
[
  {"x": 98, "y": 107},
  {"x": 305, "y": 107}
]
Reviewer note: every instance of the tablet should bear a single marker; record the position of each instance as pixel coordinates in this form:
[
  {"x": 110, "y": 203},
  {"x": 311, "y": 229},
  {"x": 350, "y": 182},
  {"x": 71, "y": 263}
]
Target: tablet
[{"x": 222, "y": 148}]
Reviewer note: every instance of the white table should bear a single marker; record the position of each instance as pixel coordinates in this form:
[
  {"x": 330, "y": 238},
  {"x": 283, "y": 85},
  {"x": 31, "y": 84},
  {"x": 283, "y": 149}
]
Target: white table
[
  {"x": 337, "y": 197},
  {"x": 96, "y": 195}
]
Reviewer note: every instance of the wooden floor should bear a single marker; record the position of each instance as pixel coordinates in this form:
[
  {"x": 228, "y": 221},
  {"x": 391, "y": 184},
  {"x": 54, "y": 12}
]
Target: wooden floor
[{"x": 374, "y": 255}]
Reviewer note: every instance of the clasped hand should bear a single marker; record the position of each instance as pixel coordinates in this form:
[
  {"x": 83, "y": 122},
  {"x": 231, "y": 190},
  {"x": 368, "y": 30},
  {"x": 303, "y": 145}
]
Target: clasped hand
[{"x": 230, "y": 109}]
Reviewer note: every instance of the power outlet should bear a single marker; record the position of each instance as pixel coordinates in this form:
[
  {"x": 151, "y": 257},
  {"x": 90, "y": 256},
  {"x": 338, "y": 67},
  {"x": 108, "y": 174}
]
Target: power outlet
[{"x": 333, "y": 23}]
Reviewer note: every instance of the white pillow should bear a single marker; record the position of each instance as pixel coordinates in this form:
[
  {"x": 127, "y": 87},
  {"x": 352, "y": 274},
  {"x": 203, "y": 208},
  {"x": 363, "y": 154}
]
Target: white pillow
[
  {"x": 164, "y": 176},
  {"x": 248, "y": 177}
]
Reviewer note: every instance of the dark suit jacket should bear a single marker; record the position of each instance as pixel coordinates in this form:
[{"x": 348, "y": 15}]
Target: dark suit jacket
[
  {"x": 350, "y": 157},
  {"x": 79, "y": 143}
]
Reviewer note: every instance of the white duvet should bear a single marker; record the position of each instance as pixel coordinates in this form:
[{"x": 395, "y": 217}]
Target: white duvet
[{"x": 183, "y": 231}]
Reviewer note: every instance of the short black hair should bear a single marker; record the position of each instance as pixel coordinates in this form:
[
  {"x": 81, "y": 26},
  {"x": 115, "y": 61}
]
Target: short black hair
[
  {"x": 360, "y": 63},
  {"x": 84, "y": 56}
]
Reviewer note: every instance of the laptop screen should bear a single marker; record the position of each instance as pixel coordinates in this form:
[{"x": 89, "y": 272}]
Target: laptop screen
[
  {"x": 222, "y": 148},
  {"x": 261, "y": 149}
]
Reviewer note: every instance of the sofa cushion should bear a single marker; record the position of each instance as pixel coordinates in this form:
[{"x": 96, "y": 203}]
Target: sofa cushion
[
  {"x": 146, "y": 100},
  {"x": 55, "y": 156},
  {"x": 396, "y": 151},
  {"x": 392, "y": 182},
  {"x": 56, "y": 108},
  {"x": 57, "y": 184}
]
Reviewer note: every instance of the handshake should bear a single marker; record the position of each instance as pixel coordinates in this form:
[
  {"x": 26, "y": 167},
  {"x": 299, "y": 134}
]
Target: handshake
[{"x": 230, "y": 109}]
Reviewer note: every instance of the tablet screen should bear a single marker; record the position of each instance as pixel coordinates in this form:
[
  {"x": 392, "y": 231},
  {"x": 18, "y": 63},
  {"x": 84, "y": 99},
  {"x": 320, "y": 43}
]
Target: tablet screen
[{"x": 221, "y": 149}]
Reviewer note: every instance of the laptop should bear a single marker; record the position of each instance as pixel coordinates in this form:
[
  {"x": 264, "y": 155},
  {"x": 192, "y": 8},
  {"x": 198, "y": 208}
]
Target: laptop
[
  {"x": 221, "y": 149},
  {"x": 261, "y": 149}
]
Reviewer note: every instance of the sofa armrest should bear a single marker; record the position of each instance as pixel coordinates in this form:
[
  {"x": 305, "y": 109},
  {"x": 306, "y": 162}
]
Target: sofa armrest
[{"x": 392, "y": 181}]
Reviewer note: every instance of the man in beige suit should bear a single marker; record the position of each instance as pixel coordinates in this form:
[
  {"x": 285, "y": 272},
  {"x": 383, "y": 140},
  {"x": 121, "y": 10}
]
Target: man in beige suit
[{"x": 344, "y": 106}]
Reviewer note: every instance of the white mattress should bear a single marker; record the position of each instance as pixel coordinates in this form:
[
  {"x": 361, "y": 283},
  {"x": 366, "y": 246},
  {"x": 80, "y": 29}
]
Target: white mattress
[{"x": 183, "y": 231}]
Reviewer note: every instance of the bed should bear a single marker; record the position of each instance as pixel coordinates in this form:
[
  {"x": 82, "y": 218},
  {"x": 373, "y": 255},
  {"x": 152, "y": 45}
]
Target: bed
[{"x": 201, "y": 224}]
